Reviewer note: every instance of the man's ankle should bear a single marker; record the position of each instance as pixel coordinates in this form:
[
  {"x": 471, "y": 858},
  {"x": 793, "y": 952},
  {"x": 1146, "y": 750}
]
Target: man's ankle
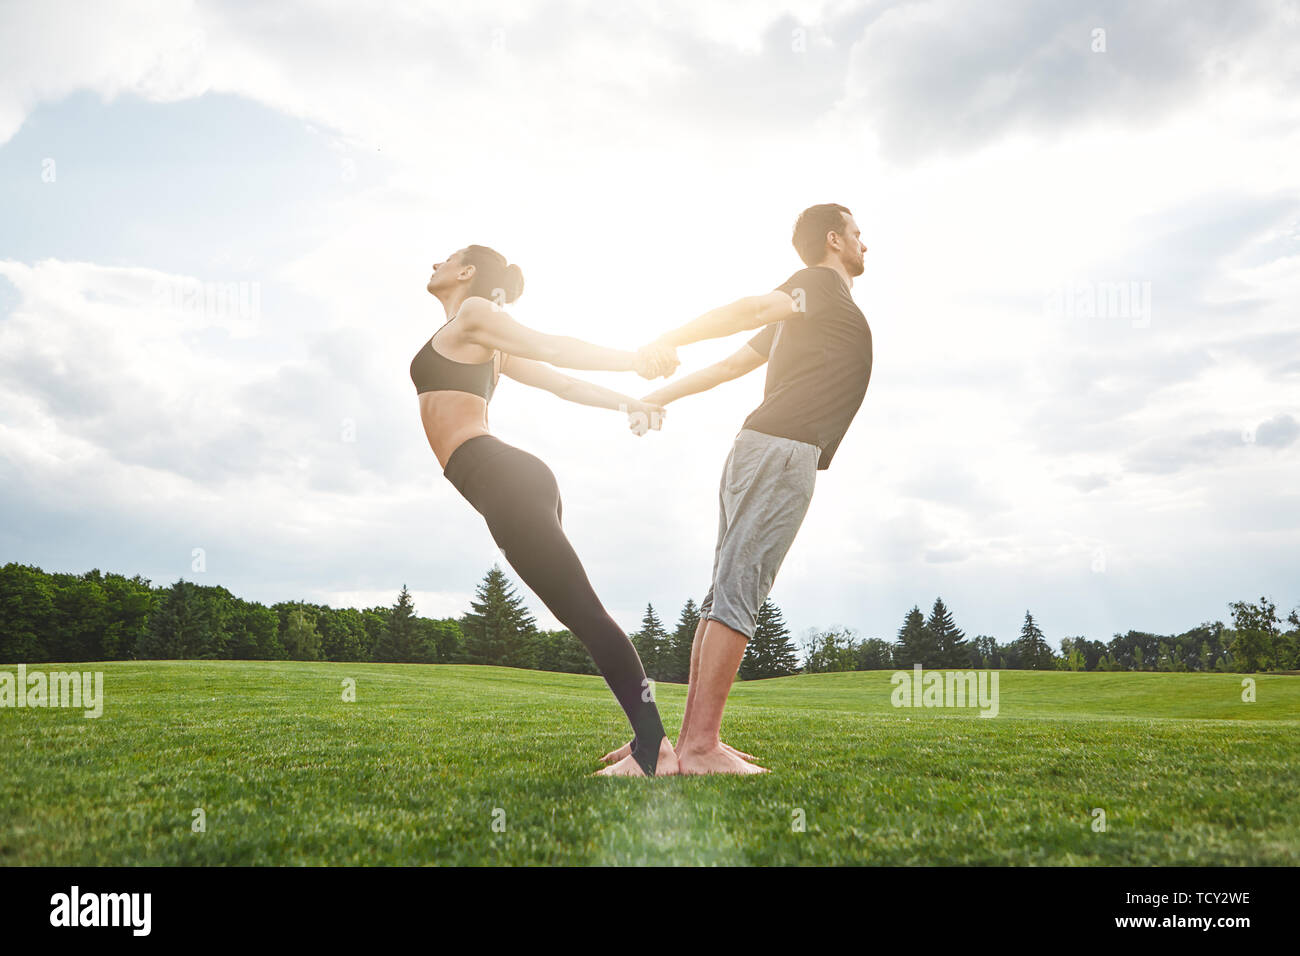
[{"x": 696, "y": 747}]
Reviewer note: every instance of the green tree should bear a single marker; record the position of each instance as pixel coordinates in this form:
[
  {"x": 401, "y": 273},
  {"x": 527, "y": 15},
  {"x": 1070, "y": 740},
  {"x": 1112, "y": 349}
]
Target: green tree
[
  {"x": 830, "y": 652},
  {"x": 26, "y": 608},
  {"x": 1035, "y": 653},
  {"x": 1256, "y": 627},
  {"x": 441, "y": 642},
  {"x": 875, "y": 655},
  {"x": 562, "y": 652},
  {"x": 401, "y": 639},
  {"x": 1287, "y": 647},
  {"x": 650, "y": 642},
  {"x": 183, "y": 625},
  {"x": 81, "y": 617},
  {"x": 342, "y": 633},
  {"x": 984, "y": 652},
  {"x": 916, "y": 643},
  {"x": 770, "y": 653},
  {"x": 498, "y": 628},
  {"x": 301, "y": 639},
  {"x": 1072, "y": 657},
  {"x": 130, "y": 602},
  {"x": 254, "y": 633},
  {"x": 676, "y": 660},
  {"x": 949, "y": 640}
]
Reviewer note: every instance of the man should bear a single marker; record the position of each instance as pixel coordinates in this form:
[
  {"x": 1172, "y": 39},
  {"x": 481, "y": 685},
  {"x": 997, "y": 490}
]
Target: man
[{"x": 817, "y": 344}]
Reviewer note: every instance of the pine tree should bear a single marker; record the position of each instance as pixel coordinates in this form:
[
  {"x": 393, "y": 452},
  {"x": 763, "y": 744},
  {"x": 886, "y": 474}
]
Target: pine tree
[
  {"x": 401, "y": 638},
  {"x": 1035, "y": 654},
  {"x": 916, "y": 643},
  {"x": 675, "y": 662},
  {"x": 770, "y": 653},
  {"x": 178, "y": 627},
  {"x": 498, "y": 628},
  {"x": 651, "y": 642},
  {"x": 950, "y": 640}
]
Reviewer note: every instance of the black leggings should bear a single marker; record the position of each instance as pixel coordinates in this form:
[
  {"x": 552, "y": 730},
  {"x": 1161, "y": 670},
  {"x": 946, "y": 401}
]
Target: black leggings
[{"x": 518, "y": 496}]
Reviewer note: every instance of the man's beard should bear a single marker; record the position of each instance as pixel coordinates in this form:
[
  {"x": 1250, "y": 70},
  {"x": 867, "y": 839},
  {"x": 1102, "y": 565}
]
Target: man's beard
[{"x": 858, "y": 267}]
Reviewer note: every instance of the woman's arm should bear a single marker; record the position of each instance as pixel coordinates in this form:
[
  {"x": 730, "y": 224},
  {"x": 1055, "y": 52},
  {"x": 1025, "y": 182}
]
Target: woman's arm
[
  {"x": 485, "y": 324},
  {"x": 538, "y": 375}
]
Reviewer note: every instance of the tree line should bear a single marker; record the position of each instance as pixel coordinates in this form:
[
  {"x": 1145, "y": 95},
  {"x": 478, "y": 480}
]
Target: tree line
[
  {"x": 47, "y": 617},
  {"x": 1256, "y": 642},
  {"x": 63, "y": 617}
]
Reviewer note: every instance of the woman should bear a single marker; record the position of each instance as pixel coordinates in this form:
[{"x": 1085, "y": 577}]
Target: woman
[{"x": 455, "y": 374}]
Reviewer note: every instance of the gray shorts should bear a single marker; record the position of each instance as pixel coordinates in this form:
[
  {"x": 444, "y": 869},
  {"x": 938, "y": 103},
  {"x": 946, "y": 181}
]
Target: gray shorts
[{"x": 766, "y": 487}]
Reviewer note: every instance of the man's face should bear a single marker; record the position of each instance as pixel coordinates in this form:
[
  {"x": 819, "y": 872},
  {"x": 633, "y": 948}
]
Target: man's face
[{"x": 852, "y": 249}]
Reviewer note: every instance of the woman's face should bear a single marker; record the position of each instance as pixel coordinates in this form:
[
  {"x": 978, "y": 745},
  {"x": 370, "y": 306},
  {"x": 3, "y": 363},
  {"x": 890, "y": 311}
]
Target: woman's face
[{"x": 446, "y": 274}]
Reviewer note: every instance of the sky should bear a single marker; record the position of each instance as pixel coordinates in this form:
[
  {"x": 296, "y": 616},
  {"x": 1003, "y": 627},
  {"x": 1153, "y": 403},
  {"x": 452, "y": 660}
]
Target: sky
[{"x": 1082, "y": 279}]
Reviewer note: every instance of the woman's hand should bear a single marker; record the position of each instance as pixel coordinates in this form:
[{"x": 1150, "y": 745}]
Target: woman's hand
[
  {"x": 656, "y": 361},
  {"x": 643, "y": 416}
]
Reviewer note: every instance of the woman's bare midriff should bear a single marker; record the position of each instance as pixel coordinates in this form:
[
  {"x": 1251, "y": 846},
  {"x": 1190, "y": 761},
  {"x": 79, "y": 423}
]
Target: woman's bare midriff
[{"x": 450, "y": 419}]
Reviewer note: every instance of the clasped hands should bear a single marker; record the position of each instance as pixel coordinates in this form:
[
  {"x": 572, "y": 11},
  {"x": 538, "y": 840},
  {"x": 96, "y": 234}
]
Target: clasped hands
[{"x": 652, "y": 361}]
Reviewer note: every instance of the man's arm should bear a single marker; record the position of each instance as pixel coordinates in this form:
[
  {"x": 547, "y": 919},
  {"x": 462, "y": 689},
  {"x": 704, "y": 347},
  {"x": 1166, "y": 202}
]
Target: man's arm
[
  {"x": 539, "y": 375},
  {"x": 750, "y": 312},
  {"x": 740, "y": 362}
]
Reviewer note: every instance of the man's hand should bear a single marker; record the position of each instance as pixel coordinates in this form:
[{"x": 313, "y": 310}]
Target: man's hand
[
  {"x": 643, "y": 416},
  {"x": 656, "y": 361}
]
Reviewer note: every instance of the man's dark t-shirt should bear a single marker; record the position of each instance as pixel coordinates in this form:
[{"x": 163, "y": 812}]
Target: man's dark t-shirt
[{"x": 818, "y": 365}]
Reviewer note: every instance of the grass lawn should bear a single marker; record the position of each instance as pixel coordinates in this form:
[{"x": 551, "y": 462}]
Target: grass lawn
[{"x": 417, "y": 770}]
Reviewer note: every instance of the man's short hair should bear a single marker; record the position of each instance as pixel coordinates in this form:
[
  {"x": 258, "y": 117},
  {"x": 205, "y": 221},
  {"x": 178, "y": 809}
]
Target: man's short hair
[{"x": 811, "y": 227}]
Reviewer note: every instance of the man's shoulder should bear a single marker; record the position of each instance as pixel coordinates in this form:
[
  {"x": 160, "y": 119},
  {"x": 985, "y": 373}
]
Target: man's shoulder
[{"x": 808, "y": 277}]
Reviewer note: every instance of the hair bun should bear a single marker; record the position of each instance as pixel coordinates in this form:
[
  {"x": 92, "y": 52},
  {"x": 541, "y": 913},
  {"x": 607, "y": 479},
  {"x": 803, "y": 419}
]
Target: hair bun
[{"x": 514, "y": 282}]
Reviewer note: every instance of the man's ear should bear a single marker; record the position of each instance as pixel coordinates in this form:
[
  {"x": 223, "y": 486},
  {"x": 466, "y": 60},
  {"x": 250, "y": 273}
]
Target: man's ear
[{"x": 467, "y": 272}]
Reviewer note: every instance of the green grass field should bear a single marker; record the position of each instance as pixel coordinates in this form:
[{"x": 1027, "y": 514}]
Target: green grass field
[{"x": 411, "y": 773}]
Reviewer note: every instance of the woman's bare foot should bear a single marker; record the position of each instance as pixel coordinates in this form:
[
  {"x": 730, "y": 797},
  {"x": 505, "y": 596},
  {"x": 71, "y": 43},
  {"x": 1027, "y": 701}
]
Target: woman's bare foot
[
  {"x": 619, "y": 754},
  {"x": 628, "y": 767},
  {"x": 626, "y": 749},
  {"x": 718, "y": 759}
]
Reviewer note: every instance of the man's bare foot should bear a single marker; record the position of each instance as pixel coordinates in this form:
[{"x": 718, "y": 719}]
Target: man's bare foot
[
  {"x": 628, "y": 767},
  {"x": 737, "y": 753},
  {"x": 718, "y": 759},
  {"x": 626, "y": 749}
]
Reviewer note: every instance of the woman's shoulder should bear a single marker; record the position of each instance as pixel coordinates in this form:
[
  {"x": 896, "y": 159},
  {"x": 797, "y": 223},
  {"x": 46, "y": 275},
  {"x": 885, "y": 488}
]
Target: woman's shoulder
[{"x": 476, "y": 306}]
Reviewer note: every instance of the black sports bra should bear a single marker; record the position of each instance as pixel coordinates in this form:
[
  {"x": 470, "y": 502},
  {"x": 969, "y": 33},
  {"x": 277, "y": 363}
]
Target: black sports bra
[{"x": 431, "y": 371}]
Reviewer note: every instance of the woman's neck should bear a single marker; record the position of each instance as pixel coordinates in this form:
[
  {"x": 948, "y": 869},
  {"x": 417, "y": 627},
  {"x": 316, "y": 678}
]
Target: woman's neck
[{"x": 452, "y": 303}]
